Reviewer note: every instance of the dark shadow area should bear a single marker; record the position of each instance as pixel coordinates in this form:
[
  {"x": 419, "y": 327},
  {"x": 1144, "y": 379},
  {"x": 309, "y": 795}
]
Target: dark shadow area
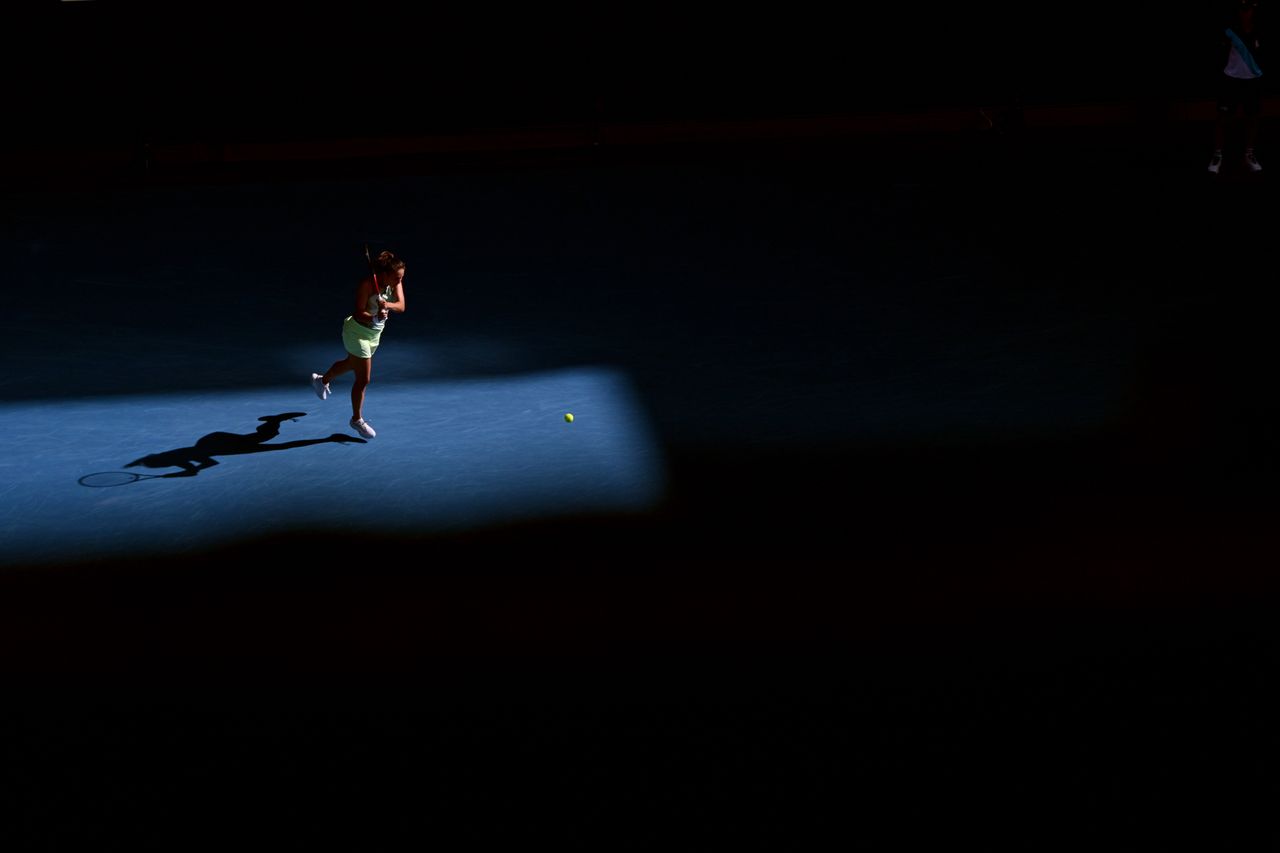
[
  {"x": 1096, "y": 683},
  {"x": 654, "y": 62}
]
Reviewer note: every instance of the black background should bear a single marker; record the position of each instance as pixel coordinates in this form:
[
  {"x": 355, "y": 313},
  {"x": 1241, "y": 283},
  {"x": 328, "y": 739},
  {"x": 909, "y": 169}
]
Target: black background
[{"x": 748, "y": 686}]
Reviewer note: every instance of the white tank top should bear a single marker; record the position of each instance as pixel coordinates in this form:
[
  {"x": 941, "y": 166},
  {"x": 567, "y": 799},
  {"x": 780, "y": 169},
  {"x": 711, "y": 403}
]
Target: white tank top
[{"x": 372, "y": 307}]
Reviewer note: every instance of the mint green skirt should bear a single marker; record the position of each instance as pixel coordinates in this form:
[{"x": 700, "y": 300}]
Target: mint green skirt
[{"x": 360, "y": 341}]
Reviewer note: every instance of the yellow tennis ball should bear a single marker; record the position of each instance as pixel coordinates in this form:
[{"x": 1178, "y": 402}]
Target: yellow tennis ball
[{"x": 568, "y": 417}]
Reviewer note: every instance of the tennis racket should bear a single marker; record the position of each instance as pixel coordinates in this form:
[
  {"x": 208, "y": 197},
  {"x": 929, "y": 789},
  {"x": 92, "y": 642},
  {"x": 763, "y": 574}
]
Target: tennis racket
[
  {"x": 377, "y": 288},
  {"x": 372, "y": 271}
]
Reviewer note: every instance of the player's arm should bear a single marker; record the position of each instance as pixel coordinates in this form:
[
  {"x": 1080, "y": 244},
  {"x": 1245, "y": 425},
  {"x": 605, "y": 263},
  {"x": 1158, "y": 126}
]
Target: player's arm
[
  {"x": 363, "y": 292},
  {"x": 398, "y": 304}
]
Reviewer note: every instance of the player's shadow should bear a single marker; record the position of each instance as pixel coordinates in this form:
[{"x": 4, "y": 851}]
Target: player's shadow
[{"x": 192, "y": 460}]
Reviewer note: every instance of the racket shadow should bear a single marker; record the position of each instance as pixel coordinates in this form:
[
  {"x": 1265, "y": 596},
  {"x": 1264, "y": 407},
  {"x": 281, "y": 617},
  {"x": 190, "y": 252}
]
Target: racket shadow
[{"x": 191, "y": 460}]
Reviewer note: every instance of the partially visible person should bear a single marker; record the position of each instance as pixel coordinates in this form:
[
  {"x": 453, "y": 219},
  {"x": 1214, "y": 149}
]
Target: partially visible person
[{"x": 1240, "y": 87}]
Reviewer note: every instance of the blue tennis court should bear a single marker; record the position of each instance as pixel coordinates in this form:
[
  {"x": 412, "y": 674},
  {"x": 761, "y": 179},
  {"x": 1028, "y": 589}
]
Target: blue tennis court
[{"x": 453, "y": 455}]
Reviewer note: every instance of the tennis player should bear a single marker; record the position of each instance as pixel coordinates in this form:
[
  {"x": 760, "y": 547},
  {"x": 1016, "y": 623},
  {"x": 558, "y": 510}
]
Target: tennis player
[{"x": 378, "y": 294}]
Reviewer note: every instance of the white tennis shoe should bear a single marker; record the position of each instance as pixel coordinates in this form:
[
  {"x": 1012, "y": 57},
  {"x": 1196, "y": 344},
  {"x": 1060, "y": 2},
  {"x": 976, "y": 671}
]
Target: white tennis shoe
[
  {"x": 322, "y": 388},
  {"x": 361, "y": 426}
]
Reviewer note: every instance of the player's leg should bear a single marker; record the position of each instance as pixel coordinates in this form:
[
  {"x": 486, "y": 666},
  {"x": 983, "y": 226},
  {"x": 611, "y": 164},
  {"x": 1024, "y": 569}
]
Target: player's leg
[
  {"x": 320, "y": 383},
  {"x": 340, "y": 367},
  {"x": 364, "y": 372},
  {"x": 363, "y": 368},
  {"x": 354, "y": 340}
]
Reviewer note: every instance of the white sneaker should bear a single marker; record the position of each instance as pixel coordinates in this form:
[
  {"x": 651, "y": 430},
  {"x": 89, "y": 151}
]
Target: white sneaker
[
  {"x": 1250, "y": 163},
  {"x": 361, "y": 426},
  {"x": 1215, "y": 163},
  {"x": 318, "y": 383}
]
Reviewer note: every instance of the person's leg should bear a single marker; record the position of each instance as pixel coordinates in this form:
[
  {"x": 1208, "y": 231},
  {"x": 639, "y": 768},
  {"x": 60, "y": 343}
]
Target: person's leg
[
  {"x": 363, "y": 368},
  {"x": 339, "y": 367},
  {"x": 1220, "y": 131},
  {"x": 1219, "y": 136},
  {"x": 1225, "y": 109},
  {"x": 355, "y": 339},
  {"x": 1250, "y": 136},
  {"x": 1252, "y": 104},
  {"x": 1221, "y": 116}
]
